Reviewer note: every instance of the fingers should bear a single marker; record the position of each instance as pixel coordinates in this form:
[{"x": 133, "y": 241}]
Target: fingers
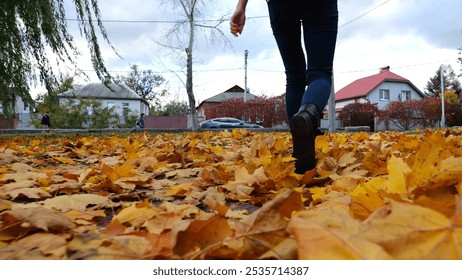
[{"x": 235, "y": 29}]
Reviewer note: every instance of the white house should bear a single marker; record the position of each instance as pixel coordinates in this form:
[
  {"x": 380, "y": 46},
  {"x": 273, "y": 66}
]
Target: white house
[
  {"x": 22, "y": 115},
  {"x": 379, "y": 89},
  {"x": 111, "y": 95}
]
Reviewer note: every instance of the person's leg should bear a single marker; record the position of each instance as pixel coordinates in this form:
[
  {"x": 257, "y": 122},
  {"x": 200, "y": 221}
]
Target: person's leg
[
  {"x": 287, "y": 32},
  {"x": 320, "y": 26},
  {"x": 320, "y": 31}
]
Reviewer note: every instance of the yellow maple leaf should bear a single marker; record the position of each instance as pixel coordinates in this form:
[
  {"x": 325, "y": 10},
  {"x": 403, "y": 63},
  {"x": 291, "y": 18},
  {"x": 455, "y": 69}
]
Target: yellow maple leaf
[
  {"x": 316, "y": 241},
  {"x": 64, "y": 160},
  {"x": 118, "y": 171},
  {"x": 136, "y": 214},
  {"x": 365, "y": 200},
  {"x": 132, "y": 147},
  {"x": 180, "y": 190},
  {"x": 408, "y": 231},
  {"x": 397, "y": 172}
]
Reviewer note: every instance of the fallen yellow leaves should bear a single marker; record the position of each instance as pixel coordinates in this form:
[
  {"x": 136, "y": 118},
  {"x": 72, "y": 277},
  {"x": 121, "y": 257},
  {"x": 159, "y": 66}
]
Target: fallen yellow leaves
[{"x": 231, "y": 195}]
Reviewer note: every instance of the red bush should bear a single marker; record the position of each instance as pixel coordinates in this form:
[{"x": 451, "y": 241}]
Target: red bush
[
  {"x": 358, "y": 114},
  {"x": 265, "y": 111}
]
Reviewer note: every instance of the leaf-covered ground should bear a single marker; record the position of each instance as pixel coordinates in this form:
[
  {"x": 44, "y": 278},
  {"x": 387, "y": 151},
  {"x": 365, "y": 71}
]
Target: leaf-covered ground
[{"x": 231, "y": 195}]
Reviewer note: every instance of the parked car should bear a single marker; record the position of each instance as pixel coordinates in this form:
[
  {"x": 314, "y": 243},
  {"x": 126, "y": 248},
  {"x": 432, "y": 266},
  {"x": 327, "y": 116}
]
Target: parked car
[{"x": 227, "y": 123}]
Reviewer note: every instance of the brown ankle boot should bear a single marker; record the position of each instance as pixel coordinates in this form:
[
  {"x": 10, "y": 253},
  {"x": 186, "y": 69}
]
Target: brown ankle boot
[{"x": 304, "y": 128}]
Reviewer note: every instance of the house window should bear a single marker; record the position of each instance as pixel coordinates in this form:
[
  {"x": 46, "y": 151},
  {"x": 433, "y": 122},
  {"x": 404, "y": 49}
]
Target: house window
[
  {"x": 384, "y": 94},
  {"x": 26, "y": 106},
  {"x": 406, "y": 95},
  {"x": 125, "y": 109}
]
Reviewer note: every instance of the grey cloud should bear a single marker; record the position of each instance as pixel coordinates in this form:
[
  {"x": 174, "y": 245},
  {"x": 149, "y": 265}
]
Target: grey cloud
[{"x": 438, "y": 22}]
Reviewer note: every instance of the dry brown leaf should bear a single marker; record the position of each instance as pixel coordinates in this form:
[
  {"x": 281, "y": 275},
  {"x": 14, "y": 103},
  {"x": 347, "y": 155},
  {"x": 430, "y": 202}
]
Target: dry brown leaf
[
  {"x": 266, "y": 227},
  {"x": 199, "y": 236},
  {"x": 32, "y": 193},
  {"x": 187, "y": 195},
  {"x": 21, "y": 167},
  {"x": 39, "y": 218},
  {"x": 79, "y": 202},
  {"x": 38, "y": 246}
]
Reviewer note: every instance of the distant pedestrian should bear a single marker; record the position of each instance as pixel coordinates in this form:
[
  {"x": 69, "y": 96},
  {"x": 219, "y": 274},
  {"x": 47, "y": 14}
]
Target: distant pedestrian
[
  {"x": 139, "y": 125},
  {"x": 45, "y": 122}
]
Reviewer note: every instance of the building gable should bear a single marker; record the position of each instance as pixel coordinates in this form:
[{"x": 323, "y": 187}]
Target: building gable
[
  {"x": 102, "y": 91},
  {"x": 235, "y": 92},
  {"x": 361, "y": 88}
]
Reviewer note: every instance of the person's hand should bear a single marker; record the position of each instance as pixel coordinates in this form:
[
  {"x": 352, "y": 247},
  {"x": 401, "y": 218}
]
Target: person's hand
[{"x": 237, "y": 22}]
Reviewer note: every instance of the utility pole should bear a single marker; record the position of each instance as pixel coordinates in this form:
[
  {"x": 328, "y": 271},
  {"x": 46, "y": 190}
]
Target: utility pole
[
  {"x": 246, "y": 53},
  {"x": 331, "y": 107},
  {"x": 443, "y": 117}
]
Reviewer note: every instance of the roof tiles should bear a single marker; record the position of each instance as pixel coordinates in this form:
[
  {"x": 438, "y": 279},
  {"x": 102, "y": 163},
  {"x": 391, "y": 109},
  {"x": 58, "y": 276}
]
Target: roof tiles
[{"x": 362, "y": 87}]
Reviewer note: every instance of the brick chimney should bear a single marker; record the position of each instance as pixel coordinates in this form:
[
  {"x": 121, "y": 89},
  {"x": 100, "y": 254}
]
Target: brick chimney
[{"x": 383, "y": 69}]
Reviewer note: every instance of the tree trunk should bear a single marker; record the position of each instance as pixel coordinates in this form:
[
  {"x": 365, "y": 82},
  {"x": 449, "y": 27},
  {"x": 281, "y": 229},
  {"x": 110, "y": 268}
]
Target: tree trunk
[{"x": 189, "y": 68}]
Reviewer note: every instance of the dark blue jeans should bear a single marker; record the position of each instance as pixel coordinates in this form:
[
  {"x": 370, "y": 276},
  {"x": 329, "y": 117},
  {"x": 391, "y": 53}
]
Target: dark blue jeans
[{"x": 318, "y": 19}]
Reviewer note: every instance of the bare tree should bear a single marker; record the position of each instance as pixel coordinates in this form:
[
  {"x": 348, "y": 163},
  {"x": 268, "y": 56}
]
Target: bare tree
[
  {"x": 460, "y": 60},
  {"x": 181, "y": 39}
]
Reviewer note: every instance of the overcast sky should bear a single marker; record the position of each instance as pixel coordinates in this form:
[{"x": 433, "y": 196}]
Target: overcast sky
[{"x": 413, "y": 37}]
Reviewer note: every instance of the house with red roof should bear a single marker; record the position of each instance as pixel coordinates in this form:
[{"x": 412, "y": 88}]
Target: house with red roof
[{"x": 379, "y": 89}]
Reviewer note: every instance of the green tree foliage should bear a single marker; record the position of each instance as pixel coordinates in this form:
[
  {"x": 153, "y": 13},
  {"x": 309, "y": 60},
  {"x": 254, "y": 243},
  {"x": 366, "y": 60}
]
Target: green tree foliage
[
  {"x": 450, "y": 81},
  {"x": 358, "y": 114},
  {"x": 29, "y": 30},
  {"x": 86, "y": 113},
  {"x": 49, "y": 102},
  {"x": 173, "y": 108},
  {"x": 83, "y": 113},
  {"x": 147, "y": 84}
]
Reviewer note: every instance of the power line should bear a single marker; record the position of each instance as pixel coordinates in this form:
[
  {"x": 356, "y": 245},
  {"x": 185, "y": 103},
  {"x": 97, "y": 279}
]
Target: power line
[
  {"x": 127, "y": 21},
  {"x": 218, "y": 20},
  {"x": 400, "y": 67},
  {"x": 367, "y": 12},
  {"x": 214, "y": 20},
  {"x": 280, "y": 71},
  {"x": 161, "y": 21}
]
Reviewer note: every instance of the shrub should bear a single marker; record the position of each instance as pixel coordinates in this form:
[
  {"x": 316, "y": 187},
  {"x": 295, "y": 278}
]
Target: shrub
[{"x": 358, "y": 114}]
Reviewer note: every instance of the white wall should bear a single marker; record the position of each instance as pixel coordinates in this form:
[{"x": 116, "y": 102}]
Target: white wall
[
  {"x": 395, "y": 90},
  {"x": 23, "y": 112}
]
